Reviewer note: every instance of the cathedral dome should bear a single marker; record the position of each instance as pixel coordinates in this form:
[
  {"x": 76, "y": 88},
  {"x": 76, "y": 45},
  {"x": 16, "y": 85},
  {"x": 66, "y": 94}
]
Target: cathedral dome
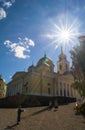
[{"x": 45, "y": 61}]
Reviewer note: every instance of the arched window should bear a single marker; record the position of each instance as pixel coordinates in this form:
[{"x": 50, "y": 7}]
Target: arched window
[
  {"x": 49, "y": 88},
  {"x": 60, "y": 89},
  {"x": 60, "y": 92},
  {"x": 64, "y": 89},
  {"x": 66, "y": 67},
  {"x": 60, "y": 67},
  {"x": 57, "y": 92},
  {"x": 64, "y": 92},
  {"x": 68, "y": 90}
]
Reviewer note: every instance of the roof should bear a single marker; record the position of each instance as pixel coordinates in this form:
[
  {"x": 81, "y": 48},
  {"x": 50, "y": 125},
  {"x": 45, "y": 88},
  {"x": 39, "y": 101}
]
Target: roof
[
  {"x": 32, "y": 66},
  {"x": 18, "y": 74}
]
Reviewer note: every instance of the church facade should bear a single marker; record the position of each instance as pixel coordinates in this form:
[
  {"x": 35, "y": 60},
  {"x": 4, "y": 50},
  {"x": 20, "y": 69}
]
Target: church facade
[{"x": 42, "y": 80}]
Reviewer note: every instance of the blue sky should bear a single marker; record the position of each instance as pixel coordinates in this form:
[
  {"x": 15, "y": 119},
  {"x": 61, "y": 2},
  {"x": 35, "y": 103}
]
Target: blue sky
[{"x": 25, "y": 25}]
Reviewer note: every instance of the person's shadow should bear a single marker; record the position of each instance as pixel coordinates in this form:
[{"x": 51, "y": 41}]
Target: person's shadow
[{"x": 11, "y": 127}]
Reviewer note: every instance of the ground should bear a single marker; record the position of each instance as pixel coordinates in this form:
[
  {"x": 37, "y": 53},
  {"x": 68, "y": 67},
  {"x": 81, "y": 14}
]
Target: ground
[{"x": 40, "y": 118}]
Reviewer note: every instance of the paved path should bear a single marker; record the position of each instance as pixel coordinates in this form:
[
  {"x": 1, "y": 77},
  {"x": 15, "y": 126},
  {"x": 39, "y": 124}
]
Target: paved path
[{"x": 39, "y": 118}]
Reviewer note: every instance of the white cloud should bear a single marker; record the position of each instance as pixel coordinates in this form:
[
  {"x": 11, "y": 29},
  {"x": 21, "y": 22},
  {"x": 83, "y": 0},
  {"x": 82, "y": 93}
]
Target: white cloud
[
  {"x": 20, "y": 47},
  {"x": 19, "y": 52},
  {"x": 29, "y": 41},
  {"x": 2, "y": 13},
  {"x": 7, "y": 42},
  {"x": 7, "y": 4},
  {"x": 4, "y": 4}
]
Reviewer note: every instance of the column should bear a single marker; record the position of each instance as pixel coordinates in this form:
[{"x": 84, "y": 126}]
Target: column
[
  {"x": 62, "y": 89},
  {"x": 66, "y": 90},
  {"x": 58, "y": 89}
]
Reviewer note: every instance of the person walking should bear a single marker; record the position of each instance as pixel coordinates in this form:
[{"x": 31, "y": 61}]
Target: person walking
[
  {"x": 20, "y": 110},
  {"x": 55, "y": 105},
  {"x": 50, "y": 105}
]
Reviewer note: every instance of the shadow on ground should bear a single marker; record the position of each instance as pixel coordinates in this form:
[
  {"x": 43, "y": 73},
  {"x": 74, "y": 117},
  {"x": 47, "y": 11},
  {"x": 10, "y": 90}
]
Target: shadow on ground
[
  {"x": 11, "y": 127},
  {"x": 38, "y": 112}
]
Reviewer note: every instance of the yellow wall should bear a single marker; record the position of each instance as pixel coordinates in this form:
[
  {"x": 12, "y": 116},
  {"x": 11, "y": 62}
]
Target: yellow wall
[
  {"x": 37, "y": 83},
  {"x": 2, "y": 89}
]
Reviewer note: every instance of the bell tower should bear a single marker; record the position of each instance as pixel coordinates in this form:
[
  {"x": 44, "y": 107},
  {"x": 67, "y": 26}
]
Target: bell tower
[{"x": 62, "y": 64}]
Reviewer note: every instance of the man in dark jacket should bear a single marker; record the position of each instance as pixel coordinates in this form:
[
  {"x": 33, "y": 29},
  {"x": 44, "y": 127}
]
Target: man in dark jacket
[
  {"x": 19, "y": 114},
  {"x": 55, "y": 104}
]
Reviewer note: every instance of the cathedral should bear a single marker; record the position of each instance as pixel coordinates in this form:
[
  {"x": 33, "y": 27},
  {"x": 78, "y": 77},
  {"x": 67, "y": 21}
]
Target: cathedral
[{"x": 41, "y": 80}]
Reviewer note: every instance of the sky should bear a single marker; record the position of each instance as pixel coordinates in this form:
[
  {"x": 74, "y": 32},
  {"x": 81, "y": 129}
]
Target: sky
[{"x": 31, "y": 28}]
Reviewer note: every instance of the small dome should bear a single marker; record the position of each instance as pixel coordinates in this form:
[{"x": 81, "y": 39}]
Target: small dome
[{"x": 31, "y": 68}]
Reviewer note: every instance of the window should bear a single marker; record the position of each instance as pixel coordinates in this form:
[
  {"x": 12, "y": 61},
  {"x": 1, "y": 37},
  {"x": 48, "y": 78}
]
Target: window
[
  {"x": 60, "y": 92},
  {"x": 64, "y": 89},
  {"x": 56, "y": 92},
  {"x": 26, "y": 89},
  {"x": 66, "y": 67},
  {"x": 68, "y": 90},
  {"x": 60, "y": 89},
  {"x": 64, "y": 92},
  {"x": 60, "y": 67},
  {"x": 49, "y": 88}
]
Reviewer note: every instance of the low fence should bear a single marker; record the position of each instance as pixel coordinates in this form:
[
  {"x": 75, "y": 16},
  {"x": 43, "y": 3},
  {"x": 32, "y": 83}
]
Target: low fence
[{"x": 32, "y": 100}]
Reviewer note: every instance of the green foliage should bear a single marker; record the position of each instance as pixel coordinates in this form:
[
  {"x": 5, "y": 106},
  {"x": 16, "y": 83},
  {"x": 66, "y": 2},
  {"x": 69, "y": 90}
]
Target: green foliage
[
  {"x": 78, "y": 86},
  {"x": 78, "y": 60},
  {"x": 77, "y": 110},
  {"x": 78, "y": 57},
  {"x": 80, "y": 109}
]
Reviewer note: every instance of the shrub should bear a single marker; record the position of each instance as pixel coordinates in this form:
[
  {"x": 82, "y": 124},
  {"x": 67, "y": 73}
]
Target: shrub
[{"x": 82, "y": 108}]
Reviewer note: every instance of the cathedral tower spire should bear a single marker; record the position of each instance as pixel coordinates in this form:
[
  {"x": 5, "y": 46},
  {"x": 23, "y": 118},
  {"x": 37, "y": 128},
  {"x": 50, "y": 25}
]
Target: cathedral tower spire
[
  {"x": 62, "y": 64},
  {"x": 61, "y": 49},
  {"x": 44, "y": 54}
]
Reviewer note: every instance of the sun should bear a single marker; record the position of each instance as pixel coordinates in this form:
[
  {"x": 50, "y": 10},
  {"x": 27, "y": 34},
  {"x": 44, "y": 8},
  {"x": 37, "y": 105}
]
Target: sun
[{"x": 64, "y": 34}]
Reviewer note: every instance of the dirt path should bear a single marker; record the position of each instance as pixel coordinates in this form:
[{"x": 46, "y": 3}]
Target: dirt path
[{"x": 39, "y": 118}]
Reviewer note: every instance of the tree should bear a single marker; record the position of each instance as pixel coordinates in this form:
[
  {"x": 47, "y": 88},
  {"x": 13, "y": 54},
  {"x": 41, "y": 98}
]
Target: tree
[
  {"x": 79, "y": 86},
  {"x": 78, "y": 62}
]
